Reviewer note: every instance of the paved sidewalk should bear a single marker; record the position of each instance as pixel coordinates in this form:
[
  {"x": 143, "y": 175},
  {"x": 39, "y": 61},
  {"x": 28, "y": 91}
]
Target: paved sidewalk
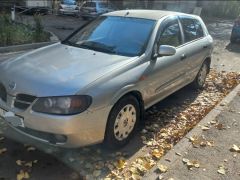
[{"x": 223, "y": 133}]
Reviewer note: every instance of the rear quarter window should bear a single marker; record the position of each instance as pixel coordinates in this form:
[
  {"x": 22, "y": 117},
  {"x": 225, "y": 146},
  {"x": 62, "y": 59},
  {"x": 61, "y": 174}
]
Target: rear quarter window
[{"x": 192, "y": 29}]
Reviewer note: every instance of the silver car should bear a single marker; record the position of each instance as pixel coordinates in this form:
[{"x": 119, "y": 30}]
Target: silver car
[
  {"x": 96, "y": 85},
  {"x": 68, "y": 7}
]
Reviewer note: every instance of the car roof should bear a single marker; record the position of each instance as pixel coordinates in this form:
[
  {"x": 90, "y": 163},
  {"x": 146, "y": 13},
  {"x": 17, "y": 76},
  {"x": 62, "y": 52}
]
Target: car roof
[{"x": 145, "y": 14}]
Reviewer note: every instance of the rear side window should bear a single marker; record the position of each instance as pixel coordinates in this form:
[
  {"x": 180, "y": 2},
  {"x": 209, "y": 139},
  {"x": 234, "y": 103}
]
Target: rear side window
[
  {"x": 171, "y": 34},
  {"x": 192, "y": 29}
]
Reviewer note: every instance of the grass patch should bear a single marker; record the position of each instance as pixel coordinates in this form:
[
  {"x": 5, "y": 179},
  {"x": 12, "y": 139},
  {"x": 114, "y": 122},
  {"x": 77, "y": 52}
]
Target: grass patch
[{"x": 12, "y": 33}]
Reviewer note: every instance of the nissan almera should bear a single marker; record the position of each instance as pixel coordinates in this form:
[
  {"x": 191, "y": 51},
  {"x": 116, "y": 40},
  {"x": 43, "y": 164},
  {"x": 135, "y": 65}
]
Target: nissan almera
[{"x": 96, "y": 85}]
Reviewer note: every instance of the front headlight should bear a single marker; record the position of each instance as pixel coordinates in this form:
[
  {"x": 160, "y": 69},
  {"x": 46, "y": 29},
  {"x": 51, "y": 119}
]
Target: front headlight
[{"x": 65, "y": 105}]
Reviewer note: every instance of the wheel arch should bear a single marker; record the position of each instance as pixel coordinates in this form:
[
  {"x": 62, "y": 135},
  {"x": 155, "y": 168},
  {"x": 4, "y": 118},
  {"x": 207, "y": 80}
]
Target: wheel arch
[{"x": 137, "y": 94}]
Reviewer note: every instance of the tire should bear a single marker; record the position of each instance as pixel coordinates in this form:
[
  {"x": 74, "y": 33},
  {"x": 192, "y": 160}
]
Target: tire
[
  {"x": 200, "y": 79},
  {"x": 120, "y": 130}
]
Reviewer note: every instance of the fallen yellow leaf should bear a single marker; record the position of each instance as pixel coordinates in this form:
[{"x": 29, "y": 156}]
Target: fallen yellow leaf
[
  {"x": 22, "y": 175},
  {"x": 121, "y": 163},
  {"x": 221, "y": 170},
  {"x": 162, "y": 168},
  {"x": 158, "y": 153},
  {"x": 205, "y": 128},
  {"x": 235, "y": 148},
  {"x": 136, "y": 177},
  {"x": 29, "y": 164},
  {"x": 20, "y": 162},
  {"x": 3, "y": 150},
  {"x": 31, "y": 148}
]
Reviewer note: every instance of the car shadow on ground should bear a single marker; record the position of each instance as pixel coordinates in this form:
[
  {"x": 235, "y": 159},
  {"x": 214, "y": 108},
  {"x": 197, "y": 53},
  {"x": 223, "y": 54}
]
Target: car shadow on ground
[{"x": 233, "y": 47}]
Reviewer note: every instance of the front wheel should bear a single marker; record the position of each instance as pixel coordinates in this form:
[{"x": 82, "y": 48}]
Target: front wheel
[
  {"x": 122, "y": 122},
  {"x": 200, "y": 79}
]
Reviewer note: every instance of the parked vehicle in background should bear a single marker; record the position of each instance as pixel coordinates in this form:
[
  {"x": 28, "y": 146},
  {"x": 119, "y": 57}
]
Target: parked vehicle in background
[
  {"x": 235, "y": 35},
  {"x": 68, "y": 7},
  {"x": 96, "y": 85},
  {"x": 31, "y": 7},
  {"x": 92, "y": 9}
]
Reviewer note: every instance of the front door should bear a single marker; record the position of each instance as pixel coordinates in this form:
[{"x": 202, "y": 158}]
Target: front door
[{"x": 165, "y": 73}]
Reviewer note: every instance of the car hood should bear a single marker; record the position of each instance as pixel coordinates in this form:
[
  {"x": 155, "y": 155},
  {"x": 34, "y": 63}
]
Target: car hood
[{"x": 57, "y": 70}]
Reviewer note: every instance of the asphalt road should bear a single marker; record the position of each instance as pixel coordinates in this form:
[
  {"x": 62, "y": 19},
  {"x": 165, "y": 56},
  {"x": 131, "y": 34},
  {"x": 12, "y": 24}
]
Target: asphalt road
[
  {"x": 61, "y": 26},
  {"x": 63, "y": 164}
]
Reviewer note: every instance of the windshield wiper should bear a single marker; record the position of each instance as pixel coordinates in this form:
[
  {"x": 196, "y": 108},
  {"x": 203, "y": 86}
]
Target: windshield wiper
[
  {"x": 93, "y": 45},
  {"x": 98, "y": 46}
]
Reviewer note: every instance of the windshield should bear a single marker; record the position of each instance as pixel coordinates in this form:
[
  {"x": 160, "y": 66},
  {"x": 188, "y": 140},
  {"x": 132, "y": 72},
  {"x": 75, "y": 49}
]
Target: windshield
[
  {"x": 69, "y": 2},
  {"x": 117, "y": 35}
]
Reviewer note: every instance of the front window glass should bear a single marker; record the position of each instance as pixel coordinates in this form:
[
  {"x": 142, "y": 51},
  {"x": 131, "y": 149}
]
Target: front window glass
[
  {"x": 117, "y": 35},
  {"x": 171, "y": 34}
]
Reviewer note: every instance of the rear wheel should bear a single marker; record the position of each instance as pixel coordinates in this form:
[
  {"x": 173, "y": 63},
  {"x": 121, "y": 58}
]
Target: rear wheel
[
  {"x": 122, "y": 122},
  {"x": 200, "y": 79}
]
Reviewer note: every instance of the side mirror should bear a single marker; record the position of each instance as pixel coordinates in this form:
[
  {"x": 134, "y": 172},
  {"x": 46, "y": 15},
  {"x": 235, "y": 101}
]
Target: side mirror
[{"x": 166, "y": 50}]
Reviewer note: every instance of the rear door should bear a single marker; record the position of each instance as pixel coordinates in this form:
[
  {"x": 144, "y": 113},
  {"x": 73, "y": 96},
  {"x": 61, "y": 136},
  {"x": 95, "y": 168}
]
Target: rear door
[{"x": 195, "y": 45}]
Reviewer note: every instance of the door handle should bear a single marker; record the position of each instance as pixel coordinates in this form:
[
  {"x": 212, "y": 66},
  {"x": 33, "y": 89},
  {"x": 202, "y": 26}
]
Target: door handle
[
  {"x": 183, "y": 56},
  {"x": 206, "y": 46}
]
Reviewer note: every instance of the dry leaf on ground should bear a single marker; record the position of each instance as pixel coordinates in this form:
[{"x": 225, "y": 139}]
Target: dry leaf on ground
[
  {"x": 31, "y": 148},
  {"x": 162, "y": 168},
  {"x": 22, "y": 175},
  {"x": 221, "y": 170},
  {"x": 3, "y": 150},
  {"x": 235, "y": 148},
  {"x": 205, "y": 128},
  {"x": 191, "y": 163}
]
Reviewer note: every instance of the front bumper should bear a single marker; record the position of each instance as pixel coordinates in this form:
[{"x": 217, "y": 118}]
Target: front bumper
[{"x": 79, "y": 130}]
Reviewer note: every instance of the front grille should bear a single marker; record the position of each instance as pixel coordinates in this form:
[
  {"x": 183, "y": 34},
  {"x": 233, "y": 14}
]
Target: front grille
[
  {"x": 3, "y": 93},
  {"x": 23, "y": 101}
]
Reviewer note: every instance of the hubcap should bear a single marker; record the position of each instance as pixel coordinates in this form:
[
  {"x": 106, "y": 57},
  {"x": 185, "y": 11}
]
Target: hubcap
[
  {"x": 202, "y": 75},
  {"x": 125, "y": 122}
]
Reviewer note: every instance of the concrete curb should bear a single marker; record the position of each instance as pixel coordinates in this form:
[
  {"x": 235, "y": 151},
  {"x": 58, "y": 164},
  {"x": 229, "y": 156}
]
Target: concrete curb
[
  {"x": 25, "y": 47},
  {"x": 183, "y": 145}
]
